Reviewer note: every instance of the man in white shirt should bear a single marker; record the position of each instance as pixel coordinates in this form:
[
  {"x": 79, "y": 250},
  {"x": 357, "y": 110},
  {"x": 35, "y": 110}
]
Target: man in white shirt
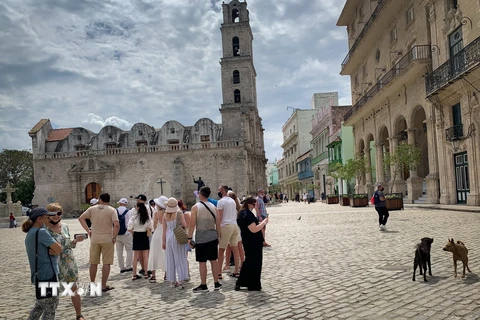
[
  {"x": 227, "y": 214},
  {"x": 124, "y": 238}
]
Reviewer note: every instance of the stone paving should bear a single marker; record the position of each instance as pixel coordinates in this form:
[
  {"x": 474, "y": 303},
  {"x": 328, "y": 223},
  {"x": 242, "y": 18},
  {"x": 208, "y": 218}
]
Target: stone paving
[{"x": 333, "y": 263}]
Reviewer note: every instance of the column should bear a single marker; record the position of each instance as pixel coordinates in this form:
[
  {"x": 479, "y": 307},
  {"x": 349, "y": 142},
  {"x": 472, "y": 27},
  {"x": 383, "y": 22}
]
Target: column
[
  {"x": 380, "y": 170},
  {"x": 368, "y": 175},
  {"x": 432, "y": 179},
  {"x": 411, "y": 141}
]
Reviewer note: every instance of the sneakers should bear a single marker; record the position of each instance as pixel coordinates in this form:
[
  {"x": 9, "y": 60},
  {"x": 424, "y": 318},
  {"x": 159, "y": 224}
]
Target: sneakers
[
  {"x": 200, "y": 288},
  {"x": 218, "y": 286},
  {"x": 383, "y": 228}
]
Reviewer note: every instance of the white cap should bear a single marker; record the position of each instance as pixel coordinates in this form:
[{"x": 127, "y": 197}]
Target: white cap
[
  {"x": 123, "y": 201},
  {"x": 93, "y": 201}
]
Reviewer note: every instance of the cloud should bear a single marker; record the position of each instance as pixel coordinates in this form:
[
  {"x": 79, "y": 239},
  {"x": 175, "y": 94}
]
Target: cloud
[{"x": 94, "y": 63}]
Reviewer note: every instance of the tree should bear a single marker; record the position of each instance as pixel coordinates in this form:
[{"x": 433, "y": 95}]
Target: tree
[
  {"x": 353, "y": 168},
  {"x": 406, "y": 157},
  {"x": 16, "y": 167}
]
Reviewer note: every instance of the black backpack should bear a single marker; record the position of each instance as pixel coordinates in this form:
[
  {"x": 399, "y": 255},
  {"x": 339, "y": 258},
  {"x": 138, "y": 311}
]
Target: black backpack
[{"x": 121, "y": 221}]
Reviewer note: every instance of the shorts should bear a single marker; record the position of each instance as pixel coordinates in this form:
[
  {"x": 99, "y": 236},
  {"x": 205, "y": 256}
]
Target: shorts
[
  {"x": 206, "y": 251},
  {"x": 104, "y": 249},
  {"x": 229, "y": 236}
]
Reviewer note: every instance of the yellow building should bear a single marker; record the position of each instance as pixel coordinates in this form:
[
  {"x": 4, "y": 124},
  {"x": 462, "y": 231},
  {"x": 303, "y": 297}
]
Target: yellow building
[{"x": 414, "y": 79}]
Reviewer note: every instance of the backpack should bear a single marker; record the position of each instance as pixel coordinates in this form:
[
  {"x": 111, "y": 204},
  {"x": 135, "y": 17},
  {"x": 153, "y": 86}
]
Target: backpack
[{"x": 121, "y": 221}]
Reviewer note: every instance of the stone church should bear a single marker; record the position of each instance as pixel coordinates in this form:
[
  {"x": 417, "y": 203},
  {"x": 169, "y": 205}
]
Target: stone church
[{"x": 73, "y": 165}]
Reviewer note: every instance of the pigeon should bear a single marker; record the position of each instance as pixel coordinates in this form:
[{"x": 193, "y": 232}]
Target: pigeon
[{"x": 299, "y": 218}]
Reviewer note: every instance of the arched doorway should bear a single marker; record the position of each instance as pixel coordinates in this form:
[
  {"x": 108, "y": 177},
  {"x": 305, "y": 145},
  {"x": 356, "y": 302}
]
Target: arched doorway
[
  {"x": 162, "y": 187},
  {"x": 400, "y": 133},
  {"x": 420, "y": 139},
  {"x": 92, "y": 190}
]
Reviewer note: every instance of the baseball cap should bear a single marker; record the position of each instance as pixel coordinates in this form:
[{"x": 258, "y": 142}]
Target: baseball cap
[
  {"x": 141, "y": 197},
  {"x": 93, "y": 201},
  {"x": 38, "y": 212},
  {"x": 123, "y": 201}
]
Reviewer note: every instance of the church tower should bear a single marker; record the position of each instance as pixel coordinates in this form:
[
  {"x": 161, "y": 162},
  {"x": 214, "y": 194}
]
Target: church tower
[{"x": 240, "y": 119}]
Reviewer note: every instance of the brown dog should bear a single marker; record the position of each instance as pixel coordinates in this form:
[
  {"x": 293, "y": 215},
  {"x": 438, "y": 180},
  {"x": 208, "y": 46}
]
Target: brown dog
[{"x": 460, "y": 252}]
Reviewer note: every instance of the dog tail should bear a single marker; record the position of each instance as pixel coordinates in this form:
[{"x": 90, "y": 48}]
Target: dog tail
[{"x": 460, "y": 242}]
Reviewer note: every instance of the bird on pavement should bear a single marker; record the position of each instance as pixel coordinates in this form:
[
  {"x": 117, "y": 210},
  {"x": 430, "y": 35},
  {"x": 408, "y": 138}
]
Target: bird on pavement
[{"x": 299, "y": 218}]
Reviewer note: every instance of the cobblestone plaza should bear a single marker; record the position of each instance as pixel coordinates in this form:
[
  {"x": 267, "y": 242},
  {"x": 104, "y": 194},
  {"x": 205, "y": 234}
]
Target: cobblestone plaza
[{"x": 333, "y": 263}]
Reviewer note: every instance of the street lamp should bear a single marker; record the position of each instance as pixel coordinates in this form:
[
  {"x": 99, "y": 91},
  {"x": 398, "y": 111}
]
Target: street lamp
[{"x": 313, "y": 186}]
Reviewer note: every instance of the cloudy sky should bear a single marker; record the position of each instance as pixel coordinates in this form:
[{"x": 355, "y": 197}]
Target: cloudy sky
[{"x": 92, "y": 63}]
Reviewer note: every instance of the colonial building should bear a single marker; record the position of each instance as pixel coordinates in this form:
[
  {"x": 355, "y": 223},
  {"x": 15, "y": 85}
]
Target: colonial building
[
  {"x": 414, "y": 79},
  {"x": 73, "y": 165}
]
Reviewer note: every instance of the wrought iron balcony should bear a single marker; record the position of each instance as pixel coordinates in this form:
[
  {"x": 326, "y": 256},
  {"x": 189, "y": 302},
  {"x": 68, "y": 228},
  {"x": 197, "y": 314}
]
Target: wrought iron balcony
[
  {"x": 454, "y": 133},
  {"x": 373, "y": 17},
  {"x": 456, "y": 66},
  {"x": 305, "y": 175},
  {"x": 415, "y": 54}
]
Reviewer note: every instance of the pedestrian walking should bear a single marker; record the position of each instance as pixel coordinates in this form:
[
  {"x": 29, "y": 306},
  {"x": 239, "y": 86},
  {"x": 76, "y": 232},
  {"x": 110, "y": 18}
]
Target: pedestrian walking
[
  {"x": 261, "y": 213},
  {"x": 13, "y": 222},
  {"x": 124, "y": 238},
  {"x": 103, "y": 236},
  {"x": 381, "y": 207},
  {"x": 67, "y": 266},
  {"x": 140, "y": 225},
  {"x": 175, "y": 253},
  {"x": 204, "y": 221},
  {"x": 252, "y": 238},
  {"x": 42, "y": 252}
]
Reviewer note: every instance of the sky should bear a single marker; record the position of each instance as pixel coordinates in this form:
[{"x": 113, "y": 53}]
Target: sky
[{"x": 90, "y": 63}]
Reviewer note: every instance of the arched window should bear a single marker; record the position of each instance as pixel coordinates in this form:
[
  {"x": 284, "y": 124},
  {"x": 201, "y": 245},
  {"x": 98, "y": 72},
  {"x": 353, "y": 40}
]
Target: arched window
[
  {"x": 236, "y": 76},
  {"x": 235, "y": 15},
  {"x": 236, "y": 46},
  {"x": 236, "y": 96}
]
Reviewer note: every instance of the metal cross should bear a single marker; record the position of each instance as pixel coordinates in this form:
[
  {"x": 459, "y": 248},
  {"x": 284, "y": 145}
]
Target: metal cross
[{"x": 161, "y": 182}]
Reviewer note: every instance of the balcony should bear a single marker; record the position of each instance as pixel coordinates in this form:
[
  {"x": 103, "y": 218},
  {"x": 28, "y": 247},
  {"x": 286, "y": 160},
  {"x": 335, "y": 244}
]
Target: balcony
[
  {"x": 452, "y": 69},
  {"x": 305, "y": 175},
  {"x": 320, "y": 157},
  {"x": 454, "y": 133},
  {"x": 368, "y": 25},
  {"x": 383, "y": 87}
]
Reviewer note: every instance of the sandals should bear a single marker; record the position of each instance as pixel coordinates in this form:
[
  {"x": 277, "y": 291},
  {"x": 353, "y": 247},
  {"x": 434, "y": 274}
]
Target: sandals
[
  {"x": 220, "y": 276},
  {"x": 234, "y": 275},
  {"x": 152, "y": 280},
  {"x": 107, "y": 288},
  {"x": 136, "y": 277}
]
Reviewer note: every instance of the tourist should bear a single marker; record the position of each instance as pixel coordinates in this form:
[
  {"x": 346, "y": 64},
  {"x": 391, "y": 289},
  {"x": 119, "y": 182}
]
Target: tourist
[
  {"x": 175, "y": 253},
  {"x": 381, "y": 207},
  {"x": 140, "y": 225},
  {"x": 304, "y": 197},
  {"x": 186, "y": 215},
  {"x": 68, "y": 270},
  {"x": 13, "y": 222},
  {"x": 228, "y": 252},
  {"x": 261, "y": 213},
  {"x": 93, "y": 202},
  {"x": 204, "y": 220},
  {"x": 124, "y": 237},
  {"x": 253, "y": 241},
  {"x": 141, "y": 198},
  {"x": 156, "y": 257},
  {"x": 227, "y": 214},
  {"x": 103, "y": 235},
  {"x": 43, "y": 266}
]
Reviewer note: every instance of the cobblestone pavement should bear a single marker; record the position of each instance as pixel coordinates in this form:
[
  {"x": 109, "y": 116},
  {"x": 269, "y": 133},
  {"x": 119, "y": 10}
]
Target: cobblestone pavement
[{"x": 333, "y": 263}]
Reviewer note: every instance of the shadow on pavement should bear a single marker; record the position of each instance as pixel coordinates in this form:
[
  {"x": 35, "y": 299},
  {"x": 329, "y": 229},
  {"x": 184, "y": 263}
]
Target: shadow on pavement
[
  {"x": 207, "y": 300},
  {"x": 259, "y": 298}
]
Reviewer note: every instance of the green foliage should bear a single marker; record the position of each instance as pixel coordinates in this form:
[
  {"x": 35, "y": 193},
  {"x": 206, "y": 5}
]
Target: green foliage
[
  {"x": 274, "y": 188},
  {"x": 353, "y": 168},
  {"x": 16, "y": 167},
  {"x": 392, "y": 196},
  {"x": 406, "y": 157},
  {"x": 360, "y": 196}
]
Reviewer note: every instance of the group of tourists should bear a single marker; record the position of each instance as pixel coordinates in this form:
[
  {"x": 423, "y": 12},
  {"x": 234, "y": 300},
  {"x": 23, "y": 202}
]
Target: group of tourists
[{"x": 158, "y": 234}]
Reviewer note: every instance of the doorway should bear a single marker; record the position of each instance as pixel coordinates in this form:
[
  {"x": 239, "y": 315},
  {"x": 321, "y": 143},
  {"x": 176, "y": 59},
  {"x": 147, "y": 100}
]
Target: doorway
[
  {"x": 92, "y": 190},
  {"x": 461, "y": 176}
]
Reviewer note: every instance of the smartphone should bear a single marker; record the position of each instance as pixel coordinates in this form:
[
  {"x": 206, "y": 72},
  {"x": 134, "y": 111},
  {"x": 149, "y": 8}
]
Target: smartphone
[{"x": 84, "y": 235}]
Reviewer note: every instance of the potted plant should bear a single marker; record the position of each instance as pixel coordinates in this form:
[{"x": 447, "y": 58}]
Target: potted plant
[
  {"x": 406, "y": 157},
  {"x": 394, "y": 201},
  {"x": 344, "y": 200},
  {"x": 359, "y": 200},
  {"x": 332, "y": 199}
]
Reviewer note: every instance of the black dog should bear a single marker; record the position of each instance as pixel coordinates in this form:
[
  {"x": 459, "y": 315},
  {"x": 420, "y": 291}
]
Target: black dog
[{"x": 422, "y": 258}]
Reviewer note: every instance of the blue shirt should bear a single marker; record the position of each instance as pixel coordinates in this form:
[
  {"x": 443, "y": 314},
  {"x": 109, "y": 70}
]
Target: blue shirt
[
  {"x": 45, "y": 240},
  {"x": 213, "y": 201},
  {"x": 261, "y": 208}
]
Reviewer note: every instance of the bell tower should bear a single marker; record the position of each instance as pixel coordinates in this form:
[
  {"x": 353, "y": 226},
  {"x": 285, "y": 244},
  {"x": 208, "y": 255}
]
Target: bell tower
[{"x": 240, "y": 119}]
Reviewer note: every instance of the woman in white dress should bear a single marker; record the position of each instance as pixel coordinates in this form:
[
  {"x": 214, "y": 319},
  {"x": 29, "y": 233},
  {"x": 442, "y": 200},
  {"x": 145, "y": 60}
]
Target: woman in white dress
[
  {"x": 175, "y": 253},
  {"x": 156, "y": 259}
]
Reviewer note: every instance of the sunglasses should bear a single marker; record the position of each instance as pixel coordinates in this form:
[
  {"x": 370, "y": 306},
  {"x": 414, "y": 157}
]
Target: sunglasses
[{"x": 59, "y": 213}]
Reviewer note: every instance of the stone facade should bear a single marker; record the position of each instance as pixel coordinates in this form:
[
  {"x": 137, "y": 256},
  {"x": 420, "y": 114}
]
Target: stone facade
[
  {"x": 395, "y": 48},
  {"x": 73, "y": 165}
]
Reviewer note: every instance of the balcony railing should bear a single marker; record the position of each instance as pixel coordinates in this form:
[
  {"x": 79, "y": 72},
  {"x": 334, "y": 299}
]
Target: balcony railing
[
  {"x": 320, "y": 157},
  {"x": 373, "y": 17},
  {"x": 454, "y": 133},
  {"x": 415, "y": 54},
  {"x": 454, "y": 67},
  {"x": 305, "y": 175}
]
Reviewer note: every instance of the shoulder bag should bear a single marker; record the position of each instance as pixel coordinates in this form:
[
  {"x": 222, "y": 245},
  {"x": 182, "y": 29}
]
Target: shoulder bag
[
  {"x": 214, "y": 219},
  {"x": 180, "y": 232},
  {"x": 38, "y": 291}
]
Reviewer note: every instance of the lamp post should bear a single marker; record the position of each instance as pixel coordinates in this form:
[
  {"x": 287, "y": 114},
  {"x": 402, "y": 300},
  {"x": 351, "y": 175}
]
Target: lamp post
[{"x": 313, "y": 186}]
